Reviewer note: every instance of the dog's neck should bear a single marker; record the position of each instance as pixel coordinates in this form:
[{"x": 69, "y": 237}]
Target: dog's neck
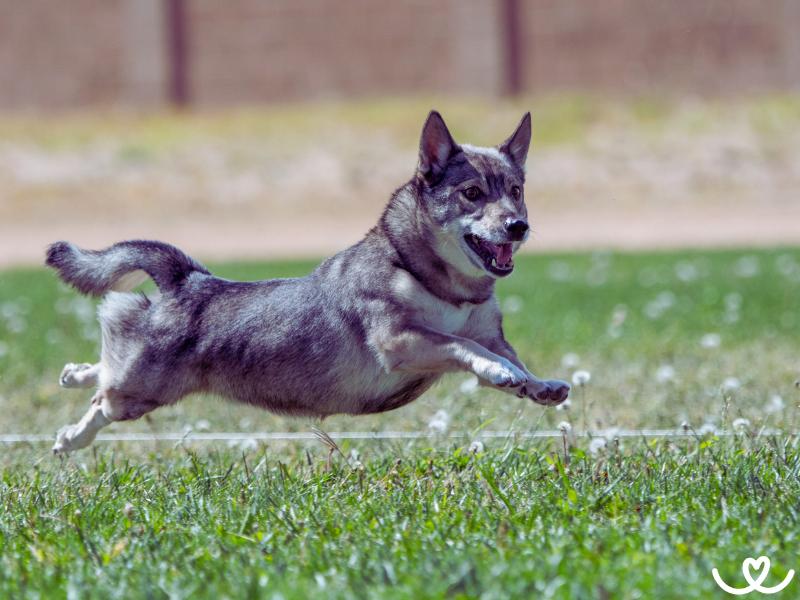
[{"x": 406, "y": 228}]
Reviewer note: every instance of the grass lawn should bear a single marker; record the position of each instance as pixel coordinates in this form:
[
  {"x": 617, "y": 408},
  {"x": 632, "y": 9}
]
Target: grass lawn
[{"x": 710, "y": 340}]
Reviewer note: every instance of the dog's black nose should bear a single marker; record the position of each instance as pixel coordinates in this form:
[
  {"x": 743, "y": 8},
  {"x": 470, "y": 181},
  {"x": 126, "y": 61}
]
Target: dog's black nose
[{"x": 516, "y": 228}]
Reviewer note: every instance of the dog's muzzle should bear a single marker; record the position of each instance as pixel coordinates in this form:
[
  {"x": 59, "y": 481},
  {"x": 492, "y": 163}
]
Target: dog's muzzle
[{"x": 496, "y": 258}]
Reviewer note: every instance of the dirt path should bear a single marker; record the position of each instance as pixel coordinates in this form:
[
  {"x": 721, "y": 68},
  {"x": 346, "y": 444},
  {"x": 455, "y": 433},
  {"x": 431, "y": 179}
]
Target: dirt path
[
  {"x": 732, "y": 182},
  {"x": 24, "y": 244}
]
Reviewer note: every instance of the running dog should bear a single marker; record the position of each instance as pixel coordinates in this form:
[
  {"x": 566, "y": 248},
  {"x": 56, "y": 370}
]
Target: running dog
[{"x": 368, "y": 331}]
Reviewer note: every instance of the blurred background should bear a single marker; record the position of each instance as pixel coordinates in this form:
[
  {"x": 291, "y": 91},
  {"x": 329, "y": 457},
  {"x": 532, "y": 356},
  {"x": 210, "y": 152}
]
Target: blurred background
[
  {"x": 247, "y": 129},
  {"x": 663, "y": 182}
]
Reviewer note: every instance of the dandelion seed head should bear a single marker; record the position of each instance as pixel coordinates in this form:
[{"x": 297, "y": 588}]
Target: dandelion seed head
[
  {"x": 581, "y": 377},
  {"x": 476, "y": 447},
  {"x": 787, "y": 266},
  {"x": 710, "y": 340},
  {"x": 746, "y": 266},
  {"x": 775, "y": 404},
  {"x": 16, "y": 324},
  {"x": 559, "y": 271},
  {"x": 513, "y": 304},
  {"x": 686, "y": 271},
  {"x": 731, "y": 383},
  {"x": 565, "y": 405},
  {"x": 564, "y": 427},
  {"x": 469, "y": 385},
  {"x": 597, "y": 444},
  {"x": 665, "y": 373},
  {"x": 707, "y": 428},
  {"x": 440, "y": 422},
  {"x": 741, "y": 423},
  {"x": 202, "y": 425},
  {"x": 570, "y": 360},
  {"x": 597, "y": 277}
]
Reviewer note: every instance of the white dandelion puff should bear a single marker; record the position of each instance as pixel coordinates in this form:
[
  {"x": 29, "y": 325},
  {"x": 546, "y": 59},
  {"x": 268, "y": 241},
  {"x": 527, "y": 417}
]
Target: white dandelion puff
[
  {"x": 775, "y": 404},
  {"x": 741, "y": 423},
  {"x": 597, "y": 444},
  {"x": 746, "y": 266},
  {"x": 786, "y": 265},
  {"x": 710, "y": 340},
  {"x": 731, "y": 384},
  {"x": 439, "y": 422},
  {"x": 559, "y": 271},
  {"x": 733, "y": 301},
  {"x": 665, "y": 373},
  {"x": 686, "y": 271},
  {"x": 707, "y": 428},
  {"x": 202, "y": 425},
  {"x": 597, "y": 277},
  {"x": 617, "y": 320},
  {"x": 565, "y": 405},
  {"x": 469, "y": 385},
  {"x": 564, "y": 427},
  {"x": 476, "y": 447},
  {"x": 247, "y": 445},
  {"x": 570, "y": 360},
  {"x": 513, "y": 304},
  {"x": 581, "y": 377}
]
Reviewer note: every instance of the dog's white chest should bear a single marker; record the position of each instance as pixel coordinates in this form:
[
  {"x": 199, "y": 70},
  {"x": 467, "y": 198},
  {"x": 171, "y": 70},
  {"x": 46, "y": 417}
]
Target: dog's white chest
[{"x": 430, "y": 310}]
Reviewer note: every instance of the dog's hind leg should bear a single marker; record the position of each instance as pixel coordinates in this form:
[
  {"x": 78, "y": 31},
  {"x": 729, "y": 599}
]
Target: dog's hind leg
[
  {"x": 82, "y": 433},
  {"x": 82, "y": 375},
  {"x": 107, "y": 406}
]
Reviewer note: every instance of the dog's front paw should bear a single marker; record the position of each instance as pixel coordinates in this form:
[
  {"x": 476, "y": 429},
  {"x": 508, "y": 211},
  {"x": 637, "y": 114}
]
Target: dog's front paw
[
  {"x": 71, "y": 375},
  {"x": 504, "y": 374},
  {"x": 550, "y": 392}
]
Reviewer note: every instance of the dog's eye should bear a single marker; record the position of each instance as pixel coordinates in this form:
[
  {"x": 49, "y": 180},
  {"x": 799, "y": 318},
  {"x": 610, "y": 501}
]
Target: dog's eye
[
  {"x": 516, "y": 192},
  {"x": 472, "y": 193}
]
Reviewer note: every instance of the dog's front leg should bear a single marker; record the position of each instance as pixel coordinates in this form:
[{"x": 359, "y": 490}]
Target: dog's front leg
[
  {"x": 549, "y": 392},
  {"x": 423, "y": 350}
]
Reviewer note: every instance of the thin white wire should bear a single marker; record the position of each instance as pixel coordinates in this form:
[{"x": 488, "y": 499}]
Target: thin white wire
[{"x": 239, "y": 436}]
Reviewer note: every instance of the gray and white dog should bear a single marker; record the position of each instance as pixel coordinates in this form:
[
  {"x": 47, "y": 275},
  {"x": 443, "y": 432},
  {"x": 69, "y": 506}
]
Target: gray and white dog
[{"x": 368, "y": 331}]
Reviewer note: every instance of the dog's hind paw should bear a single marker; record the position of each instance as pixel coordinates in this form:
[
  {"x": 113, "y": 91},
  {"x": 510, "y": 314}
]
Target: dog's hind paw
[
  {"x": 70, "y": 438},
  {"x": 74, "y": 375}
]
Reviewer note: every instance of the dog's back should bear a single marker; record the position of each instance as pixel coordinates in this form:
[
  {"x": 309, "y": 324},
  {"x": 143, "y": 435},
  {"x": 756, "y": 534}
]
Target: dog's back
[{"x": 254, "y": 342}]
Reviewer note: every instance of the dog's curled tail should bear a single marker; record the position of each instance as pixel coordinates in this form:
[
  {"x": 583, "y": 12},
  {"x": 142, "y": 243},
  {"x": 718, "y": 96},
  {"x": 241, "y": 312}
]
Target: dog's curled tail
[{"x": 122, "y": 266}]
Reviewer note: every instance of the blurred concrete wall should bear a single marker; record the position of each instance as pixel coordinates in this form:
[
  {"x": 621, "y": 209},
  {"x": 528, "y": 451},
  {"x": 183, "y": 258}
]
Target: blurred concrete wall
[{"x": 206, "y": 52}]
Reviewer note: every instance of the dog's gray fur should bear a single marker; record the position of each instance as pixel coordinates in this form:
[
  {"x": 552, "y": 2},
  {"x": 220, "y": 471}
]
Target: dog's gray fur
[{"x": 368, "y": 331}]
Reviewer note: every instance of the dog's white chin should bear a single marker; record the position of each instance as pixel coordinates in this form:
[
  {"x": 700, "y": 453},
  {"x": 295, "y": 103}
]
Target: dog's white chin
[{"x": 477, "y": 266}]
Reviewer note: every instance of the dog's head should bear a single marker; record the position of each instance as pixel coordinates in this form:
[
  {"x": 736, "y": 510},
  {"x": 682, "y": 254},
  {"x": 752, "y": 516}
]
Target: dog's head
[{"x": 474, "y": 197}]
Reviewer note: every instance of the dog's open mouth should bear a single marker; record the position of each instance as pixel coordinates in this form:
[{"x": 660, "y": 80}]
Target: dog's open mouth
[{"x": 496, "y": 258}]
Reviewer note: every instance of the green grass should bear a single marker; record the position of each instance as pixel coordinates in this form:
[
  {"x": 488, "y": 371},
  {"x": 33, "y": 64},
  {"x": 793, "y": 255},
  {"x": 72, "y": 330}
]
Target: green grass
[
  {"x": 648, "y": 522},
  {"x": 633, "y": 519}
]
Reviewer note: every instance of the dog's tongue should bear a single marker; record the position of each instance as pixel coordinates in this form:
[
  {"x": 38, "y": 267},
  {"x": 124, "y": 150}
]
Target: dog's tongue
[{"x": 503, "y": 254}]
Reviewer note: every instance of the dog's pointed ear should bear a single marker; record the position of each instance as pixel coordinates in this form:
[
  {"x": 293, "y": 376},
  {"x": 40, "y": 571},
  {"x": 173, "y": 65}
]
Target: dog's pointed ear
[
  {"x": 436, "y": 146},
  {"x": 516, "y": 147}
]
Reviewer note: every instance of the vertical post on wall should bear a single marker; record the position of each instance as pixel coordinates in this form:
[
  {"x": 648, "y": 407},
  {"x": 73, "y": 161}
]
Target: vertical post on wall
[
  {"x": 177, "y": 49},
  {"x": 512, "y": 47}
]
